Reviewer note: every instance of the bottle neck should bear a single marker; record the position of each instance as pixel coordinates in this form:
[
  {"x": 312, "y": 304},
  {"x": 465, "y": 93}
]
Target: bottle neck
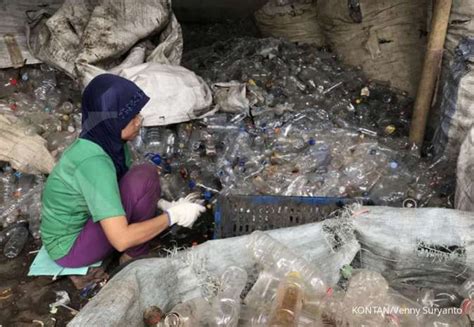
[{"x": 173, "y": 320}]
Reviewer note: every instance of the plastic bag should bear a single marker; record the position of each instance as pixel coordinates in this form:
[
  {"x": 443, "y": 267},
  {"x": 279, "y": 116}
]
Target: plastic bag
[{"x": 176, "y": 94}]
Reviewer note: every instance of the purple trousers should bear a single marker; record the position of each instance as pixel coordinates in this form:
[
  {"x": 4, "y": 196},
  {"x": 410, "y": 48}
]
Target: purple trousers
[{"x": 140, "y": 191}]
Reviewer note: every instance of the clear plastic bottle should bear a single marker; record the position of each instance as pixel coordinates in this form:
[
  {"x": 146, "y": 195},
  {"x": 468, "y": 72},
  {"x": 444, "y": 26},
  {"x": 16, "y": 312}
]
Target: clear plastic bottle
[
  {"x": 259, "y": 317},
  {"x": 329, "y": 309},
  {"x": 275, "y": 256},
  {"x": 318, "y": 155},
  {"x": 7, "y": 180},
  {"x": 367, "y": 290},
  {"x": 264, "y": 289},
  {"x": 16, "y": 242},
  {"x": 209, "y": 143},
  {"x": 226, "y": 173},
  {"x": 288, "y": 302},
  {"x": 154, "y": 140},
  {"x": 237, "y": 145},
  {"x": 34, "y": 209},
  {"x": 289, "y": 144},
  {"x": 467, "y": 292},
  {"x": 253, "y": 316},
  {"x": 403, "y": 311},
  {"x": 467, "y": 289},
  {"x": 226, "y": 304},
  {"x": 169, "y": 138},
  {"x": 192, "y": 313},
  {"x": 173, "y": 186},
  {"x": 23, "y": 183}
]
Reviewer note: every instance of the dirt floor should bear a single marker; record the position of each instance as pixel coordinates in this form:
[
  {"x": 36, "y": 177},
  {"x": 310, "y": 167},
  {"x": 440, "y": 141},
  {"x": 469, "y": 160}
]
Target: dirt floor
[{"x": 24, "y": 300}]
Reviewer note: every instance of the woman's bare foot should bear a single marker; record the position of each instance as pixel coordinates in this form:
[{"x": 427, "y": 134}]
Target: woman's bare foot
[
  {"x": 94, "y": 275},
  {"x": 124, "y": 258}
]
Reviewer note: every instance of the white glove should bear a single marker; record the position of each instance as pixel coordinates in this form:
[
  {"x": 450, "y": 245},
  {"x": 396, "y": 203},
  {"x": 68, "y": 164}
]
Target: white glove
[
  {"x": 192, "y": 197},
  {"x": 165, "y": 205},
  {"x": 184, "y": 213}
]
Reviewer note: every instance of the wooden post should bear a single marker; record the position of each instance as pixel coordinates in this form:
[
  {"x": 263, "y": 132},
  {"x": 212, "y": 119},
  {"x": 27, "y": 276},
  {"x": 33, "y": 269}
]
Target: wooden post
[{"x": 431, "y": 68}]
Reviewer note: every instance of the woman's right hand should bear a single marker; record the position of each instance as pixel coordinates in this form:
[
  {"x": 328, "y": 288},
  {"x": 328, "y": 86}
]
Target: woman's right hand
[
  {"x": 185, "y": 211},
  {"x": 194, "y": 197}
]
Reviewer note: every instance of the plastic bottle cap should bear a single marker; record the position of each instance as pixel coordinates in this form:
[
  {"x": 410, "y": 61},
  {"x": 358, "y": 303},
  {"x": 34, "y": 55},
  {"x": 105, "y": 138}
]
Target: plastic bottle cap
[
  {"x": 156, "y": 159},
  {"x": 466, "y": 306},
  {"x": 390, "y": 129},
  {"x": 346, "y": 271},
  {"x": 207, "y": 195},
  {"x": 24, "y": 76},
  {"x": 294, "y": 274},
  {"x": 409, "y": 203},
  {"x": 192, "y": 184},
  {"x": 393, "y": 164},
  {"x": 365, "y": 92},
  {"x": 311, "y": 141},
  {"x": 13, "y": 81}
]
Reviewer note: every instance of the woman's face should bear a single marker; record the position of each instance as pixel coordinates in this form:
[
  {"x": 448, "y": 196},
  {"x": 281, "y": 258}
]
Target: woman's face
[{"x": 132, "y": 129}]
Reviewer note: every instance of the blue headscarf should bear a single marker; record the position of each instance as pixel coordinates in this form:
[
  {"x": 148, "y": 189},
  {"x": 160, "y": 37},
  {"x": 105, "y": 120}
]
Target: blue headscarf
[{"x": 109, "y": 103}]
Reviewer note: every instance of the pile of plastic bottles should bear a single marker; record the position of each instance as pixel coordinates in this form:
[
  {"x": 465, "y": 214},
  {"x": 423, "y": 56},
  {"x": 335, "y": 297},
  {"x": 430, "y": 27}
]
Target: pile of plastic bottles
[
  {"x": 313, "y": 128},
  {"x": 290, "y": 292},
  {"x": 47, "y": 103},
  {"x": 298, "y": 153},
  {"x": 282, "y": 75}
]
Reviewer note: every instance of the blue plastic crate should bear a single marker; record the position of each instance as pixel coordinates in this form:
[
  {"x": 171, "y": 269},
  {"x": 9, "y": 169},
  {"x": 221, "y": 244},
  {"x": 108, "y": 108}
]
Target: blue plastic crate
[{"x": 237, "y": 215}]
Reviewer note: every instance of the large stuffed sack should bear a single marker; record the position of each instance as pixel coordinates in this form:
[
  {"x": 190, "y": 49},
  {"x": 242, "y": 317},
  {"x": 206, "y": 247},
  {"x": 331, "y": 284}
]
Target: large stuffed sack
[
  {"x": 100, "y": 32},
  {"x": 176, "y": 93},
  {"x": 424, "y": 247},
  {"x": 454, "y": 112},
  {"x": 295, "y": 21},
  {"x": 386, "y": 38},
  {"x": 24, "y": 151}
]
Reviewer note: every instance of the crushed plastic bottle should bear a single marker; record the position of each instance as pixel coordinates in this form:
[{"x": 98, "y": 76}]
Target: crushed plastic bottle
[
  {"x": 264, "y": 289},
  {"x": 16, "y": 242},
  {"x": 367, "y": 289},
  {"x": 226, "y": 304}
]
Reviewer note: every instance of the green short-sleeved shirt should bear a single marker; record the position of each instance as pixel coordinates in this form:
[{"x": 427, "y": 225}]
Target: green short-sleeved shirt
[{"x": 83, "y": 184}]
